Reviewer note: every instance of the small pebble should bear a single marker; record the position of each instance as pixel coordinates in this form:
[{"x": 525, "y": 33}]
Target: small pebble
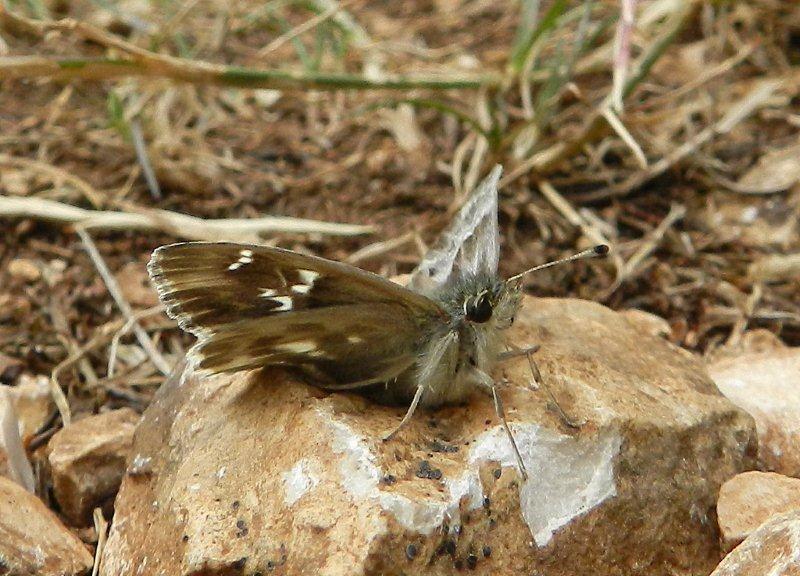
[
  {"x": 472, "y": 561},
  {"x": 411, "y": 551},
  {"x": 487, "y": 503},
  {"x": 497, "y": 472},
  {"x": 425, "y": 471},
  {"x": 439, "y": 446},
  {"x": 24, "y": 269},
  {"x": 487, "y": 551}
]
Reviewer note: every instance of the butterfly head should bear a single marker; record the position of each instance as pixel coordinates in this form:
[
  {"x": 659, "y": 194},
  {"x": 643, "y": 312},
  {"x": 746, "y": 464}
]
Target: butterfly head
[
  {"x": 479, "y": 308},
  {"x": 481, "y": 301}
]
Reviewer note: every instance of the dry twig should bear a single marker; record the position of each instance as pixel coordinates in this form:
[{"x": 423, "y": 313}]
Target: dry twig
[
  {"x": 179, "y": 225},
  {"x": 111, "y": 283},
  {"x": 101, "y": 528},
  {"x": 633, "y": 265},
  {"x": 141, "y": 62},
  {"x": 129, "y": 324},
  {"x": 755, "y": 99},
  {"x": 56, "y": 174}
]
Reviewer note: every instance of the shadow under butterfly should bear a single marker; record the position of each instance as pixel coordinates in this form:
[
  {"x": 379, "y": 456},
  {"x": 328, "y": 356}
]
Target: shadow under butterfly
[{"x": 431, "y": 343}]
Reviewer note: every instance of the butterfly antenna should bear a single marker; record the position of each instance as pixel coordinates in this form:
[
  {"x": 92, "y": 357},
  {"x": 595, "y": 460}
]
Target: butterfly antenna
[{"x": 599, "y": 250}]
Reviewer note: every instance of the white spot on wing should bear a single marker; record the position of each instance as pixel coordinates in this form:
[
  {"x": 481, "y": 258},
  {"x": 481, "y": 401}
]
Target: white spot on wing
[
  {"x": 284, "y": 301},
  {"x": 245, "y": 257},
  {"x": 301, "y": 288},
  {"x": 299, "y": 347},
  {"x": 267, "y": 292},
  {"x": 355, "y": 339},
  {"x": 308, "y": 276}
]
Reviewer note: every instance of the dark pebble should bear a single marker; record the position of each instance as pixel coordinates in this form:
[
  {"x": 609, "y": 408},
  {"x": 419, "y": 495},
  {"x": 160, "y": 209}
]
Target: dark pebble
[
  {"x": 411, "y": 551},
  {"x": 487, "y": 551},
  {"x": 425, "y": 471},
  {"x": 472, "y": 561},
  {"x": 438, "y": 446},
  {"x": 497, "y": 473}
]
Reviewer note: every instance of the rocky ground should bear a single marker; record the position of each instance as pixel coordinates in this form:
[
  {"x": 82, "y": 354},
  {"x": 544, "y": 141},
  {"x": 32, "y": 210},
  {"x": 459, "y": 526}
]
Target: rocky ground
[{"x": 673, "y": 139}]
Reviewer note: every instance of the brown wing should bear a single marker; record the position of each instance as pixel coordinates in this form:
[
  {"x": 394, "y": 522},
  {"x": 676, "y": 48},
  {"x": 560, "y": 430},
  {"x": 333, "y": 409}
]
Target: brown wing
[{"x": 252, "y": 306}]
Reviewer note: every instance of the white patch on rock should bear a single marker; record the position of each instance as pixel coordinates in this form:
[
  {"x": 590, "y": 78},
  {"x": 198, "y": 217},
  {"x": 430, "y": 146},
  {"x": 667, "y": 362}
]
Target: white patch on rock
[
  {"x": 567, "y": 476},
  {"x": 357, "y": 467},
  {"x": 360, "y": 476},
  {"x": 298, "y": 481}
]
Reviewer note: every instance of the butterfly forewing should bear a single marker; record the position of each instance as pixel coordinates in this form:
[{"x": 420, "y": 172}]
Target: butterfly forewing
[{"x": 253, "y": 306}]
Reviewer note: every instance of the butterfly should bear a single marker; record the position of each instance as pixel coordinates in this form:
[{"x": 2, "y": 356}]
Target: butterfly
[{"x": 430, "y": 343}]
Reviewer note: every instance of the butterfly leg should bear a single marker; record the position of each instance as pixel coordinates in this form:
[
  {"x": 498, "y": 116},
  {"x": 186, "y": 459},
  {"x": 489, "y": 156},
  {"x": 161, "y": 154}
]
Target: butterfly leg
[
  {"x": 490, "y": 384},
  {"x": 409, "y": 413},
  {"x": 538, "y": 380},
  {"x": 516, "y": 352}
]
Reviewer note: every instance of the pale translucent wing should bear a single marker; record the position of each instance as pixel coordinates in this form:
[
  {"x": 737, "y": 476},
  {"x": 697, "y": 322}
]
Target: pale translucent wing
[
  {"x": 470, "y": 246},
  {"x": 253, "y": 306}
]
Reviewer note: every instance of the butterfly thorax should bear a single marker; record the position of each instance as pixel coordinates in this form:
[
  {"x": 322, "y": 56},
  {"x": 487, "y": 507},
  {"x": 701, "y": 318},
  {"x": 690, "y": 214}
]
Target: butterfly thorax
[{"x": 479, "y": 309}]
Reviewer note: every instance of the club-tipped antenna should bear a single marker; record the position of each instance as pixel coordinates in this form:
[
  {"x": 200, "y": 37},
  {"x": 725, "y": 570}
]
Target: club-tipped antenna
[{"x": 599, "y": 250}]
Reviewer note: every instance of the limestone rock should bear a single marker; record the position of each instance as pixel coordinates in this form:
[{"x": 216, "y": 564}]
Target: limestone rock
[
  {"x": 258, "y": 472},
  {"x": 88, "y": 460},
  {"x": 765, "y": 381},
  {"x": 649, "y": 323},
  {"x": 772, "y": 550},
  {"x": 748, "y": 500},
  {"x": 33, "y": 542}
]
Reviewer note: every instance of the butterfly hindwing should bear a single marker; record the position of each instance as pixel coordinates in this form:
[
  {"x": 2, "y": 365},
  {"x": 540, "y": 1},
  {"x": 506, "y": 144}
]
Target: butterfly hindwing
[
  {"x": 252, "y": 306},
  {"x": 470, "y": 246}
]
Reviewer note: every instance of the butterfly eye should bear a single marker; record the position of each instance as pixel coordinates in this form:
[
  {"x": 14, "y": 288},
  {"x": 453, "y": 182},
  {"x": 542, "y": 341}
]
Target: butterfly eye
[{"x": 479, "y": 309}]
